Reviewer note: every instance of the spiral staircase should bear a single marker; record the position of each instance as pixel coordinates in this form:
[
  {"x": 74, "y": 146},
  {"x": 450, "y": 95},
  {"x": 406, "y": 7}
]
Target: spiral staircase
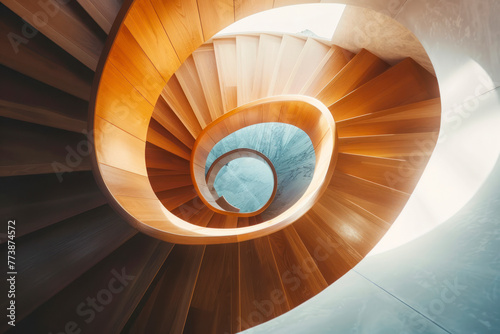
[{"x": 81, "y": 266}]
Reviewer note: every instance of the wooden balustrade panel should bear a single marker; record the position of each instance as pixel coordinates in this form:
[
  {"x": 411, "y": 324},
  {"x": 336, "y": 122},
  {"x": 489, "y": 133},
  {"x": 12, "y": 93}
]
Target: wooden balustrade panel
[{"x": 215, "y": 16}]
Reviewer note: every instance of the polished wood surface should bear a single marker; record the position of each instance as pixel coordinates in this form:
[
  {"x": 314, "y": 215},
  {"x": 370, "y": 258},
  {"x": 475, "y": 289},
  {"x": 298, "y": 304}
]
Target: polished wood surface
[
  {"x": 70, "y": 248},
  {"x": 35, "y": 149},
  {"x": 246, "y": 59},
  {"x": 191, "y": 85},
  {"x": 41, "y": 200},
  {"x": 309, "y": 59},
  {"x": 225, "y": 55},
  {"x": 299, "y": 273},
  {"x": 361, "y": 69},
  {"x": 177, "y": 282},
  {"x": 103, "y": 12},
  {"x": 176, "y": 98},
  {"x": 214, "y": 308},
  {"x": 136, "y": 262},
  {"x": 206, "y": 66},
  {"x": 327, "y": 69},
  {"x": 161, "y": 137},
  {"x": 289, "y": 53},
  {"x": 262, "y": 296},
  {"x": 164, "y": 115},
  {"x": 29, "y": 100},
  {"x": 404, "y": 83},
  {"x": 423, "y": 116},
  {"x": 267, "y": 56}
]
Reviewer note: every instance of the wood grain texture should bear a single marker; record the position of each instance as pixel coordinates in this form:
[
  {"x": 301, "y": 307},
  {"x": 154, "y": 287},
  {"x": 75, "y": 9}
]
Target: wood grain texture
[
  {"x": 167, "y": 182},
  {"x": 406, "y": 82},
  {"x": 189, "y": 209},
  {"x": 244, "y": 8},
  {"x": 103, "y": 12},
  {"x": 225, "y": 55},
  {"x": 164, "y": 115},
  {"x": 290, "y": 50},
  {"x": 424, "y": 116},
  {"x": 29, "y": 148},
  {"x": 66, "y": 24},
  {"x": 223, "y": 221},
  {"x": 361, "y": 69},
  {"x": 176, "y": 98},
  {"x": 215, "y": 16},
  {"x": 144, "y": 24},
  {"x": 214, "y": 308},
  {"x": 311, "y": 56},
  {"x": 262, "y": 295},
  {"x": 40, "y": 58},
  {"x": 120, "y": 104},
  {"x": 202, "y": 217},
  {"x": 37, "y": 201},
  {"x": 398, "y": 146},
  {"x": 190, "y": 82},
  {"x": 332, "y": 255},
  {"x": 206, "y": 65},
  {"x": 172, "y": 294},
  {"x": 326, "y": 70},
  {"x": 392, "y": 173},
  {"x": 70, "y": 248},
  {"x": 125, "y": 274},
  {"x": 29, "y": 100},
  {"x": 281, "y": 3},
  {"x": 299, "y": 273},
  {"x": 173, "y": 198},
  {"x": 161, "y": 137},
  {"x": 117, "y": 148},
  {"x": 133, "y": 63},
  {"x": 352, "y": 224},
  {"x": 246, "y": 59},
  {"x": 383, "y": 202},
  {"x": 125, "y": 183},
  {"x": 267, "y": 56},
  {"x": 157, "y": 157},
  {"x": 181, "y": 21}
]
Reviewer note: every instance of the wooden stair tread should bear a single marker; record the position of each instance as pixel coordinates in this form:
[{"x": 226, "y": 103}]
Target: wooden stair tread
[
  {"x": 124, "y": 275},
  {"x": 178, "y": 280},
  {"x": 361, "y": 68}
]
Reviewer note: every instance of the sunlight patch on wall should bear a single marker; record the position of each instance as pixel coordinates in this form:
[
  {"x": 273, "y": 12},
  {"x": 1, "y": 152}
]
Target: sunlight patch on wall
[{"x": 317, "y": 20}]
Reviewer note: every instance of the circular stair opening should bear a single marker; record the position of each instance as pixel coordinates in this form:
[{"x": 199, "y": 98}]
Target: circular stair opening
[{"x": 246, "y": 183}]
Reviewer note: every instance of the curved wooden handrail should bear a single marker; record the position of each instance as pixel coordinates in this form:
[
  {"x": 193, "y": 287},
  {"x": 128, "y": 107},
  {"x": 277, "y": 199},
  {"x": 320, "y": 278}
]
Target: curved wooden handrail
[
  {"x": 306, "y": 113},
  {"x": 223, "y": 160}
]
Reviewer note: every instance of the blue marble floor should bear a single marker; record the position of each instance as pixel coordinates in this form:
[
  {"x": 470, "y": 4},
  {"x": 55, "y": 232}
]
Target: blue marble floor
[
  {"x": 246, "y": 183},
  {"x": 290, "y": 151}
]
